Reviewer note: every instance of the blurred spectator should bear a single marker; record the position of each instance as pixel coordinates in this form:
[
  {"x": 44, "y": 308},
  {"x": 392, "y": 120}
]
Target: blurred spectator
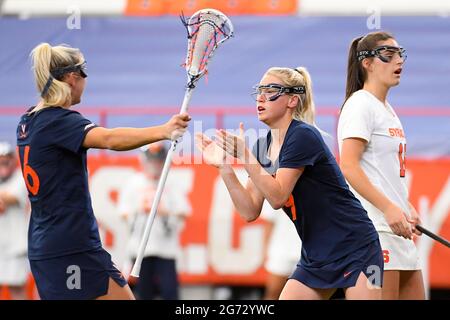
[
  {"x": 14, "y": 217},
  {"x": 283, "y": 249},
  {"x": 158, "y": 277}
]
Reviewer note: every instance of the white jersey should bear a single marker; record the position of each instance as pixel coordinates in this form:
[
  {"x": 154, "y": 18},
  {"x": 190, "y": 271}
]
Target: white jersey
[
  {"x": 284, "y": 247},
  {"x": 383, "y": 161},
  {"x": 135, "y": 202},
  {"x": 14, "y": 221}
]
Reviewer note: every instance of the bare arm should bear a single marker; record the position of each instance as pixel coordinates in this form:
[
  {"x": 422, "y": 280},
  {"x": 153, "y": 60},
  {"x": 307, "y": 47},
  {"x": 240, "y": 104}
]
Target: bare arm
[
  {"x": 121, "y": 139},
  {"x": 247, "y": 200},
  {"x": 352, "y": 151},
  {"x": 276, "y": 190}
]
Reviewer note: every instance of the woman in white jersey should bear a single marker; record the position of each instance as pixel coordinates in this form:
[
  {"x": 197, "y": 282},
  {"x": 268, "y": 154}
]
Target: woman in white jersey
[
  {"x": 158, "y": 277},
  {"x": 372, "y": 148},
  {"x": 282, "y": 247},
  {"x": 14, "y": 216}
]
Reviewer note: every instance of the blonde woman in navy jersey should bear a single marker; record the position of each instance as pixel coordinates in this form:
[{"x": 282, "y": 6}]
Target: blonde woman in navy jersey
[
  {"x": 292, "y": 168},
  {"x": 372, "y": 145},
  {"x": 66, "y": 256}
]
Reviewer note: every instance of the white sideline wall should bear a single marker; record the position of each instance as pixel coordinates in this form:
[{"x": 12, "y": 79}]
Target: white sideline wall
[
  {"x": 384, "y": 7},
  {"x": 26, "y": 8}
]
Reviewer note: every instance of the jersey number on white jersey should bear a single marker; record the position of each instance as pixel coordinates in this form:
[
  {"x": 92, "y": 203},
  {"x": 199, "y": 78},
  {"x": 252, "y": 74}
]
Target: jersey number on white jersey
[{"x": 402, "y": 158}]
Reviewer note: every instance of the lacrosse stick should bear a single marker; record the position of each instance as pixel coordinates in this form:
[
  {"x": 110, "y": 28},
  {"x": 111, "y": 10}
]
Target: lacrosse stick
[
  {"x": 433, "y": 236},
  {"x": 206, "y": 30}
]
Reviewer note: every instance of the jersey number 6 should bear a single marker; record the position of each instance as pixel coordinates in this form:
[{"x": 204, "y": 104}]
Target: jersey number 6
[{"x": 30, "y": 176}]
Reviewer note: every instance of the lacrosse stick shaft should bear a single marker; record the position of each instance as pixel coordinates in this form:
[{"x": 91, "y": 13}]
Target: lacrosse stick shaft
[
  {"x": 162, "y": 181},
  {"x": 433, "y": 236}
]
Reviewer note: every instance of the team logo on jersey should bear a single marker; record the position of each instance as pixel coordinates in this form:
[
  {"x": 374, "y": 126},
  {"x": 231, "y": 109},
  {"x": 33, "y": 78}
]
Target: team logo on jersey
[
  {"x": 22, "y": 131},
  {"x": 396, "y": 132}
]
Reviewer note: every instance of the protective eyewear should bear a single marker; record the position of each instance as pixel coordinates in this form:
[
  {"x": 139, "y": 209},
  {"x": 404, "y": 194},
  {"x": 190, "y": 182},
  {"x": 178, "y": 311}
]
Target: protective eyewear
[
  {"x": 273, "y": 91},
  {"x": 384, "y": 53}
]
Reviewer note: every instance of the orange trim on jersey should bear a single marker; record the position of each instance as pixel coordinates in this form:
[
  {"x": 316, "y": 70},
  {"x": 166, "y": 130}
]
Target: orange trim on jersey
[
  {"x": 402, "y": 159},
  {"x": 291, "y": 204}
]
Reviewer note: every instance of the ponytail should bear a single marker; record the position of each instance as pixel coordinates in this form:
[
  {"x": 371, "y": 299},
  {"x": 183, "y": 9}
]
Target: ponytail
[
  {"x": 54, "y": 92},
  {"x": 355, "y": 76},
  {"x": 305, "y": 110}
]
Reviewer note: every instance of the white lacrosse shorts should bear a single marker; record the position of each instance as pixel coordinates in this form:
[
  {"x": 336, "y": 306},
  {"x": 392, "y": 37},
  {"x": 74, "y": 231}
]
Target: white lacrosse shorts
[
  {"x": 14, "y": 271},
  {"x": 398, "y": 253}
]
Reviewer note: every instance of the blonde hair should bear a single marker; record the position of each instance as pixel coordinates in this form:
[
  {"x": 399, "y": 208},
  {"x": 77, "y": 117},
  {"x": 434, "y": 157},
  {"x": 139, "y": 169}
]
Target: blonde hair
[
  {"x": 46, "y": 58},
  {"x": 305, "y": 110}
]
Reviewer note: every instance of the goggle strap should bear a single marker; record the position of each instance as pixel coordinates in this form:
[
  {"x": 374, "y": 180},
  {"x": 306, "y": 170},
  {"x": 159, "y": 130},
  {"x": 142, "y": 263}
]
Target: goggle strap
[
  {"x": 365, "y": 54},
  {"x": 58, "y": 73},
  {"x": 376, "y": 52},
  {"x": 295, "y": 90},
  {"x": 47, "y": 86}
]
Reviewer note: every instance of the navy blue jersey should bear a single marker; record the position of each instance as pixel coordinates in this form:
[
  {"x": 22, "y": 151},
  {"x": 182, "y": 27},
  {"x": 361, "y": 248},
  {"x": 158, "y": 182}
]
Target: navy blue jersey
[
  {"x": 329, "y": 219},
  {"x": 53, "y": 163}
]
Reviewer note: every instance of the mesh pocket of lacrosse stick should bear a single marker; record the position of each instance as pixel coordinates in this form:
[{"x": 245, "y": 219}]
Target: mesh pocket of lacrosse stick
[{"x": 207, "y": 29}]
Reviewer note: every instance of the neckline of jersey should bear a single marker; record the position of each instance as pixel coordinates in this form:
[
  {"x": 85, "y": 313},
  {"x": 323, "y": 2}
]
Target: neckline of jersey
[
  {"x": 34, "y": 113},
  {"x": 387, "y": 107}
]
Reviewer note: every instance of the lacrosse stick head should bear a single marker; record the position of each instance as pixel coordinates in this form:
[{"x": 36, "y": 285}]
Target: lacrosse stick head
[{"x": 207, "y": 29}]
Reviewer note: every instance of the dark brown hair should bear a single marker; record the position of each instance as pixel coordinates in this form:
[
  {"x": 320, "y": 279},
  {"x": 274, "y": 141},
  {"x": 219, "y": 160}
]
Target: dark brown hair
[{"x": 356, "y": 74}]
